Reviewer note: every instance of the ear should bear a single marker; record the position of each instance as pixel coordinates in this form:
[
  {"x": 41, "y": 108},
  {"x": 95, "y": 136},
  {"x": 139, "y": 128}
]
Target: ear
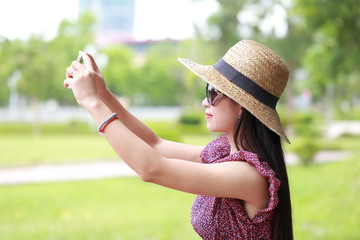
[{"x": 240, "y": 110}]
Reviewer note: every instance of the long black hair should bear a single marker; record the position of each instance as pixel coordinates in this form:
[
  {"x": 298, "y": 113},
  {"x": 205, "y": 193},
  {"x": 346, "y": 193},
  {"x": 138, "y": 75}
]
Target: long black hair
[{"x": 252, "y": 135}]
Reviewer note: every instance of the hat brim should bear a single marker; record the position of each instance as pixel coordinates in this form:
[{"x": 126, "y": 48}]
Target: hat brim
[{"x": 262, "y": 112}]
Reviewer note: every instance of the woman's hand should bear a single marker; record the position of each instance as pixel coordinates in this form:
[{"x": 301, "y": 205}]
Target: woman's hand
[
  {"x": 100, "y": 82},
  {"x": 85, "y": 80}
]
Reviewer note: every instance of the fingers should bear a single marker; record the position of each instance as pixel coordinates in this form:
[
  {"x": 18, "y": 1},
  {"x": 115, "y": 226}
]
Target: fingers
[
  {"x": 89, "y": 61},
  {"x": 76, "y": 68},
  {"x": 68, "y": 82},
  {"x": 69, "y": 72}
]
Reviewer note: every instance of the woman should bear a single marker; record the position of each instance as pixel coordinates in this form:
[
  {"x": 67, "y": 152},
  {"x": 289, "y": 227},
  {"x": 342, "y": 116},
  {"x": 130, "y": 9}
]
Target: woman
[{"x": 240, "y": 177}]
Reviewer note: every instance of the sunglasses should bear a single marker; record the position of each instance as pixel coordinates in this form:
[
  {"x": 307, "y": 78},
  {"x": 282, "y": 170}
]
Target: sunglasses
[{"x": 212, "y": 95}]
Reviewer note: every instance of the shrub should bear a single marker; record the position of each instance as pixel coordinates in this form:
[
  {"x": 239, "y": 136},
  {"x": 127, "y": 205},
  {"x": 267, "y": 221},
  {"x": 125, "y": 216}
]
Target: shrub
[
  {"x": 308, "y": 123},
  {"x": 165, "y": 129},
  {"x": 191, "y": 117},
  {"x": 73, "y": 127},
  {"x": 306, "y": 148}
]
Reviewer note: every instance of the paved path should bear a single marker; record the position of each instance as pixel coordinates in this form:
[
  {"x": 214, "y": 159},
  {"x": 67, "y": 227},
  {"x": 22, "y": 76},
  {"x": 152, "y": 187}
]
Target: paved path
[
  {"x": 64, "y": 172},
  {"x": 108, "y": 169}
]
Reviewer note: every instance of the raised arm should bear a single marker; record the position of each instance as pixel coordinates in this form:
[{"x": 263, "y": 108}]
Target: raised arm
[
  {"x": 227, "y": 179},
  {"x": 166, "y": 148}
]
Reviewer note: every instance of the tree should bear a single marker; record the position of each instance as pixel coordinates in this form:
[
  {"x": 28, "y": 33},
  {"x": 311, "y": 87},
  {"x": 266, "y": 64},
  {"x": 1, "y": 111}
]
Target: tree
[
  {"x": 147, "y": 78},
  {"x": 332, "y": 58},
  {"x": 119, "y": 72},
  {"x": 37, "y": 70},
  {"x": 11, "y": 57},
  {"x": 71, "y": 37},
  {"x": 159, "y": 75},
  {"x": 225, "y": 24},
  {"x": 232, "y": 23},
  {"x": 291, "y": 48},
  {"x": 43, "y": 63}
]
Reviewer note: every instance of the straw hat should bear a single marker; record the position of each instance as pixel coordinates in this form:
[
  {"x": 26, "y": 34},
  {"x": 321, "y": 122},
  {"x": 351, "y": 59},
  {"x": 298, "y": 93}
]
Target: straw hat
[{"x": 253, "y": 76}]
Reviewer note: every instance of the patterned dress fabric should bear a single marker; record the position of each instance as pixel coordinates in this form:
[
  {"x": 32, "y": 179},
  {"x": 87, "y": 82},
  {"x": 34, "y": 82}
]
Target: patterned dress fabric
[{"x": 217, "y": 218}]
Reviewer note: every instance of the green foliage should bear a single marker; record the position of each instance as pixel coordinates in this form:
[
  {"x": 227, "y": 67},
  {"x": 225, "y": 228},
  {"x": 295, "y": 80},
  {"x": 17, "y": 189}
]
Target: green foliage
[
  {"x": 306, "y": 148},
  {"x": 194, "y": 88},
  {"x": 160, "y": 76},
  {"x": 72, "y": 127},
  {"x": 347, "y": 110},
  {"x": 332, "y": 57},
  {"x": 151, "y": 78},
  {"x": 308, "y": 123},
  {"x": 191, "y": 117},
  {"x": 12, "y": 58},
  {"x": 191, "y": 122},
  {"x": 308, "y": 126},
  {"x": 322, "y": 38},
  {"x": 43, "y": 63},
  {"x": 225, "y": 22},
  {"x": 166, "y": 130},
  {"x": 119, "y": 73}
]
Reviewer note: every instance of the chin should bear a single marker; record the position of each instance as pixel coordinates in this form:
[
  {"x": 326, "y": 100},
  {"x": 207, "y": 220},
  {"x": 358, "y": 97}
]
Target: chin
[{"x": 213, "y": 129}]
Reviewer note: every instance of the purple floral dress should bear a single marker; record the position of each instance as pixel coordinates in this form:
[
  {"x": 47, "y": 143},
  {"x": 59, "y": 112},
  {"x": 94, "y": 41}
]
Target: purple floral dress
[{"x": 219, "y": 218}]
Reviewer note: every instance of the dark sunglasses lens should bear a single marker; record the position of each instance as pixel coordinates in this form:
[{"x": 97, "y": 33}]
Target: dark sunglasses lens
[{"x": 211, "y": 94}]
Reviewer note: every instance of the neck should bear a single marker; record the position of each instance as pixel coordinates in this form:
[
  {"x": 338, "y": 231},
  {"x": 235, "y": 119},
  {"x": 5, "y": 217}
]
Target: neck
[{"x": 232, "y": 143}]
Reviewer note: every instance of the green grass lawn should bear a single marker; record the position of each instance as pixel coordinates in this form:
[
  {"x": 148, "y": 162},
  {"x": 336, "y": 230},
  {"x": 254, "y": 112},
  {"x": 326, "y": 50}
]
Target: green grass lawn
[
  {"x": 325, "y": 197},
  {"x": 110, "y": 209},
  {"x": 325, "y": 200},
  {"x": 19, "y": 150},
  {"x": 325, "y": 206},
  {"x": 22, "y": 150}
]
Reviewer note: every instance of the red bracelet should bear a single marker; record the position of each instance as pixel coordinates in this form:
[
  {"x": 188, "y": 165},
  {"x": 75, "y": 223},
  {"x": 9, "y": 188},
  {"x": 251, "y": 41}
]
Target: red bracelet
[{"x": 104, "y": 124}]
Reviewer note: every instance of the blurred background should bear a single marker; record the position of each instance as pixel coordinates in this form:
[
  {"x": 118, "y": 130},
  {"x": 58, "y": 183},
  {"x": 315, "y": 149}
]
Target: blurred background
[{"x": 136, "y": 44}]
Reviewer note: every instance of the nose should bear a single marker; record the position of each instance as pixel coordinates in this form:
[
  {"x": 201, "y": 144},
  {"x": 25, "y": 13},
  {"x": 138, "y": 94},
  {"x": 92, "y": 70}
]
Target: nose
[{"x": 205, "y": 103}]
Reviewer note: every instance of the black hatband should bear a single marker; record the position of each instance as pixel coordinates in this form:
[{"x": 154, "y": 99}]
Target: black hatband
[{"x": 246, "y": 84}]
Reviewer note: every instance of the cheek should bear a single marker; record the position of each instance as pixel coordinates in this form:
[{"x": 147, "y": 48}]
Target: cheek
[
  {"x": 230, "y": 115},
  {"x": 223, "y": 122},
  {"x": 229, "y": 122},
  {"x": 225, "y": 115}
]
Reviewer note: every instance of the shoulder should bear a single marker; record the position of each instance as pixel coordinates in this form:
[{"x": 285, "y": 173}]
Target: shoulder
[
  {"x": 216, "y": 150},
  {"x": 244, "y": 173},
  {"x": 249, "y": 174},
  {"x": 242, "y": 181}
]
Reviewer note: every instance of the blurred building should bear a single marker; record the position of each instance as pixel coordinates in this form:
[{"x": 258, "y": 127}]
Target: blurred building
[{"x": 115, "y": 19}]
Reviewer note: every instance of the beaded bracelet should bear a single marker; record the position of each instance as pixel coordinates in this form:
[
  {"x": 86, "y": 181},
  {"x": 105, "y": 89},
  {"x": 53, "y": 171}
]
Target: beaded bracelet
[{"x": 103, "y": 125}]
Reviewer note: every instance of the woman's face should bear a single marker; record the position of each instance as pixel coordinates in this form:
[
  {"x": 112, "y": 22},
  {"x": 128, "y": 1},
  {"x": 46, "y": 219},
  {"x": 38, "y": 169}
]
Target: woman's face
[{"x": 222, "y": 116}]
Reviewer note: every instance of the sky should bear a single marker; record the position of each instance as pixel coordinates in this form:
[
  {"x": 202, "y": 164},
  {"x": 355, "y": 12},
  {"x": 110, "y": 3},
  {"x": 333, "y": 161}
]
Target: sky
[{"x": 20, "y": 18}]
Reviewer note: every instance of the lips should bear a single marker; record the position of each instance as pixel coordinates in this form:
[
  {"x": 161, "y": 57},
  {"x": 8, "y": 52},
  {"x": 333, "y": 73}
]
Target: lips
[{"x": 208, "y": 115}]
